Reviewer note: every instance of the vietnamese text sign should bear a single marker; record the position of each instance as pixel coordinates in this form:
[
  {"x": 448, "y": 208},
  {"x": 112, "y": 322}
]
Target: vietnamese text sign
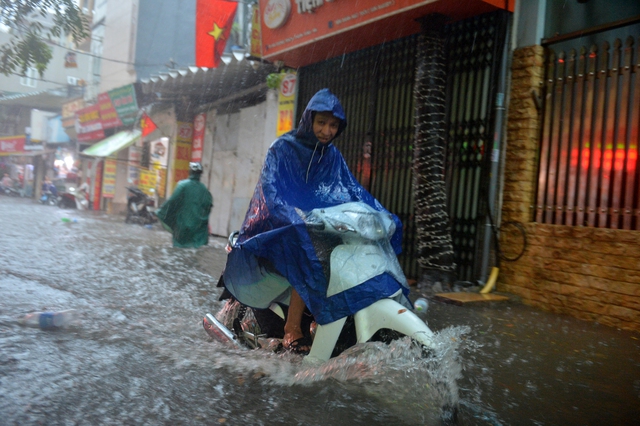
[
  {"x": 286, "y": 103},
  {"x": 308, "y": 20},
  {"x": 108, "y": 113},
  {"x": 198, "y": 137},
  {"x": 134, "y": 175},
  {"x": 12, "y": 144},
  {"x": 181, "y": 162},
  {"x": 256, "y": 37},
  {"x": 124, "y": 101},
  {"x": 148, "y": 181},
  {"x": 69, "y": 112},
  {"x": 109, "y": 178},
  {"x": 162, "y": 183},
  {"x": 88, "y": 124},
  {"x": 182, "y": 154}
]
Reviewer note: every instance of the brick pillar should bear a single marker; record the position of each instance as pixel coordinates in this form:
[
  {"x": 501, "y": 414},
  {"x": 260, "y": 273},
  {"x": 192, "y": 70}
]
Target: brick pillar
[{"x": 523, "y": 135}]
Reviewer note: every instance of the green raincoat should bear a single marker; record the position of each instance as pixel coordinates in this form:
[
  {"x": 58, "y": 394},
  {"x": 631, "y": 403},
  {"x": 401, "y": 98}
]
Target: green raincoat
[{"x": 186, "y": 213}]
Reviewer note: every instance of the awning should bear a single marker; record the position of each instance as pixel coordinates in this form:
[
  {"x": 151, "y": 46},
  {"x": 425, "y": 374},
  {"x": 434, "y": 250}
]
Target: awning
[
  {"x": 112, "y": 144},
  {"x": 26, "y": 153},
  {"x": 48, "y": 99},
  {"x": 237, "y": 84}
]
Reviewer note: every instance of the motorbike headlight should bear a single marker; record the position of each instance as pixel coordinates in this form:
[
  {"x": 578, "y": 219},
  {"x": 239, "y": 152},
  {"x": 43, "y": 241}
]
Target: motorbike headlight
[{"x": 371, "y": 227}]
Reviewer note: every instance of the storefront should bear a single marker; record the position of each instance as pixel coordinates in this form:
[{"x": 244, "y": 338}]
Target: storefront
[
  {"x": 109, "y": 147},
  {"x": 371, "y": 54},
  {"x": 110, "y": 169}
]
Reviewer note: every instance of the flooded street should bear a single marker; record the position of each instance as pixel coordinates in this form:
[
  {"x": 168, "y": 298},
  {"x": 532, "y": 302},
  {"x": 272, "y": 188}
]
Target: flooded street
[{"x": 138, "y": 354}]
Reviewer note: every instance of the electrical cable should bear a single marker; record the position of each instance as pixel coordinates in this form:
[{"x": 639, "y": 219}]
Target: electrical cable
[{"x": 499, "y": 254}]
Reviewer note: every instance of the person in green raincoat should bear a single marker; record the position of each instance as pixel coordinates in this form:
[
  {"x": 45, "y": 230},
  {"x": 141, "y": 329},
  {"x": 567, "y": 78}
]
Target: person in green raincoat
[{"x": 186, "y": 213}]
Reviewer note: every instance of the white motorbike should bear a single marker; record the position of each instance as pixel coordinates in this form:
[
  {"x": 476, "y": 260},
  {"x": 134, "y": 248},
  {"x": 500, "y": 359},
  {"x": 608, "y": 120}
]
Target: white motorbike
[{"x": 359, "y": 250}]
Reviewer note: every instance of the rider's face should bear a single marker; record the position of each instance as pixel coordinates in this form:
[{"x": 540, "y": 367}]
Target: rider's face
[{"x": 325, "y": 126}]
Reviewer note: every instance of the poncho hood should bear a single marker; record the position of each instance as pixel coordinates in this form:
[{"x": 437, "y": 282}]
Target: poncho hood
[
  {"x": 301, "y": 173},
  {"x": 322, "y": 101}
]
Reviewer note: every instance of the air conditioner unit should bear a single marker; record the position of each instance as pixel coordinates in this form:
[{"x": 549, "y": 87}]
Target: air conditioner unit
[{"x": 72, "y": 81}]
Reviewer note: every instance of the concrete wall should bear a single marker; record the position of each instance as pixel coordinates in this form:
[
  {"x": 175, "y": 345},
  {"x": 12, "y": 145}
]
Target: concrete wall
[
  {"x": 589, "y": 273},
  {"x": 121, "y": 20},
  {"x": 56, "y": 75},
  {"x": 236, "y": 144}
]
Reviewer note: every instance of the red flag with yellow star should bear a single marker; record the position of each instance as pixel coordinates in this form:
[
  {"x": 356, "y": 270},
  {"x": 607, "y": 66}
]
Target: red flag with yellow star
[
  {"x": 214, "y": 19},
  {"x": 147, "y": 126}
]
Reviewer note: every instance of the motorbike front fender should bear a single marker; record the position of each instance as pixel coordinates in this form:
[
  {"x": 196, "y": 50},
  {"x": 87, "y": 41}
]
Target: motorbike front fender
[
  {"x": 389, "y": 314},
  {"x": 385, "y": 313}
]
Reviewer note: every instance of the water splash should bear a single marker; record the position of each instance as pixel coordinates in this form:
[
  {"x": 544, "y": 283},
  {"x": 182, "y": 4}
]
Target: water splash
[{"x": 413, "y": 385}]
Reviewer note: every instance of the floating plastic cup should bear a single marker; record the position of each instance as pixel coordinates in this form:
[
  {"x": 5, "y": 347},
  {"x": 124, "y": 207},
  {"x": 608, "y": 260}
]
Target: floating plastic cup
[{"x": 421, "y": 305}]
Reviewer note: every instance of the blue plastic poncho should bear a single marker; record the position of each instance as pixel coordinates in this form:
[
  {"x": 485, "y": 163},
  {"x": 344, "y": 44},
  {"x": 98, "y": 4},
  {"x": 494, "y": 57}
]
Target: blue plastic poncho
[{"x": 300, "y": 172}]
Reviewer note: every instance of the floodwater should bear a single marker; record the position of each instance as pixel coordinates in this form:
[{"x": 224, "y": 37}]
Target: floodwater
[{"x": 138, "y": 353}]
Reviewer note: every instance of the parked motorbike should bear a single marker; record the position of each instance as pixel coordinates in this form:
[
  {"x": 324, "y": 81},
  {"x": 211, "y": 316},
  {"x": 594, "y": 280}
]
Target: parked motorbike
[
  {"x": 139, "y": 207},
  {"x": 73, "y": 198},
  {"x": 48, "y": 198},
  {"x": 10, "y": 191},
  {"x": 360, "y": 251}
]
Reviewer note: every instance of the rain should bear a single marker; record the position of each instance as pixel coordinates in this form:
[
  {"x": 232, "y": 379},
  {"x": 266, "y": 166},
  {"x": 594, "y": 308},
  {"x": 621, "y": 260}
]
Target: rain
[
  {"x": 137, "y": 353},
  {"x": 499, "y": 136}
]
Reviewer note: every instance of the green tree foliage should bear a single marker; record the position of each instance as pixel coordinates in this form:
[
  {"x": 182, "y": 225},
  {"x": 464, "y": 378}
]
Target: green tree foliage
[{"x": 28, "y": 47}]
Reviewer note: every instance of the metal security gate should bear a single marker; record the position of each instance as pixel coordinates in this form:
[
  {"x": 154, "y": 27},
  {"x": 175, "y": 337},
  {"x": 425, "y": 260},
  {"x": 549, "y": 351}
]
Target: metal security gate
[
  {"x": 588, "y": 172},
  {"x": 375, "y": 86},
  {"x": 474, "y": 49}
]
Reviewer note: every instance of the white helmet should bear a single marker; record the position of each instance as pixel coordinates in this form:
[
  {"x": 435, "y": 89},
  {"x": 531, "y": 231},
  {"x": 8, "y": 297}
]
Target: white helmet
[{"x": 195, "y": 167}]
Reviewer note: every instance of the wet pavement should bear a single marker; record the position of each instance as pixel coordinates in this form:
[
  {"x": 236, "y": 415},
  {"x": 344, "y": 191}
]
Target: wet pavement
[{"x": 138, "y": 354}]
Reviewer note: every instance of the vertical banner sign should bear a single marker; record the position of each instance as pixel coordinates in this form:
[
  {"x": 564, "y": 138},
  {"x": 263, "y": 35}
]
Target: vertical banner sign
[
  {"x": 162, "y": 183},
  {"x": 198, "y": 137},
  {"x": 286, "y": 103},
  {"x": 182, "y": 153},
  {"x": 135, "y": 155},
  {"x": 109, "y": 178},
  {"x": 148, "y": 180},
  {"x": 256, "y": 36},
  {"x": 97, "y": 187},
  {"x": 159, "y": 153}
]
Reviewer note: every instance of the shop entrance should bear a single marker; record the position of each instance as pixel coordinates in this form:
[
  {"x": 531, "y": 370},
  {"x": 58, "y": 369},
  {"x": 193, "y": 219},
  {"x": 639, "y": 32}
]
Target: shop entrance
[{"x": 375, "y": 86}]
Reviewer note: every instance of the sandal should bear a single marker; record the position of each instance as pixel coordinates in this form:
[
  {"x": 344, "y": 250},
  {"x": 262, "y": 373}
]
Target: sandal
[{"x": 298, "y": 345}]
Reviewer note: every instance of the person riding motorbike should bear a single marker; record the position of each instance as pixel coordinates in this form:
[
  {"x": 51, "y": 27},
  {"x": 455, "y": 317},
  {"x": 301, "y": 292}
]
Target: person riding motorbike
[
  {"x": 303, "y": 170},
  {"x": 49, "y": 187}
]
